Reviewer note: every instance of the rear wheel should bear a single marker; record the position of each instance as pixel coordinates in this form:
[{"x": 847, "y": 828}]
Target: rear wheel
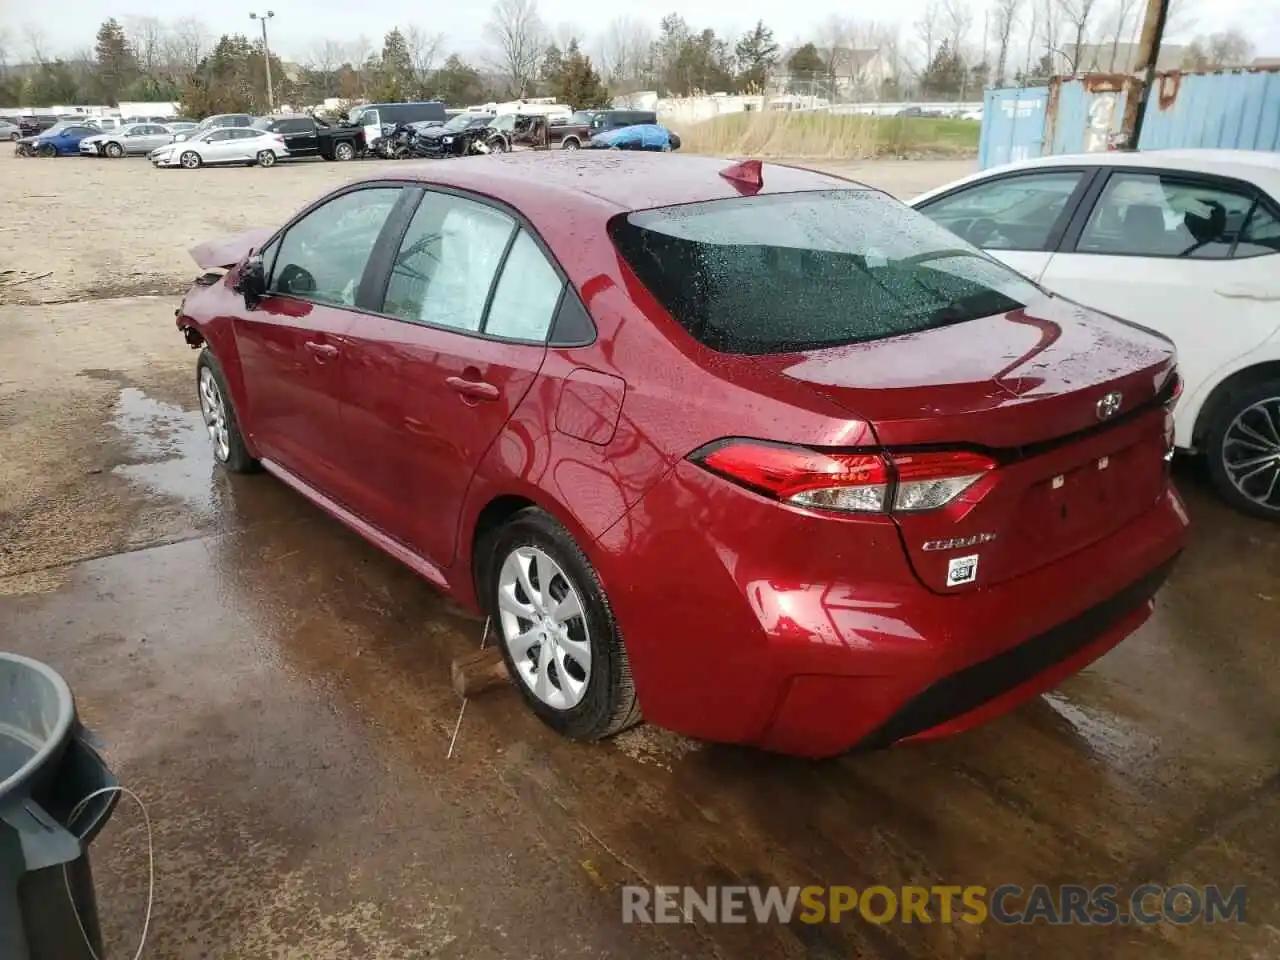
[
  {"x": 190, "y": 159},
  {"x": 114, "y": 150},
  {"x": 556, "y": 630},
  {"x": 220, "y": 417},
  {"x": 344, "y": 150},
  {"x": 1243, "y": 450},
  {"x": 266, "y": 158}
]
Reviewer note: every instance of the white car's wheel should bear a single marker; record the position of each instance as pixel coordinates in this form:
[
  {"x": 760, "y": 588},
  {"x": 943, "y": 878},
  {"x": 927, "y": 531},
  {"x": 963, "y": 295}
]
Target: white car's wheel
[
  {"x": 190, "y": 159},
  {"x": 1242, "y": 446}
]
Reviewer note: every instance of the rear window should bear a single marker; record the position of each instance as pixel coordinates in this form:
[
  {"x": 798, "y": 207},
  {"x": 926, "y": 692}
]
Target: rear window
[{"x": 800, "y": 271}]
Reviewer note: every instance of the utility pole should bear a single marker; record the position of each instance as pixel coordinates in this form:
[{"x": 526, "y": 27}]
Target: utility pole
[
  {"x": 1135, "y": 107},
  {"x": 266, "y": 56}
]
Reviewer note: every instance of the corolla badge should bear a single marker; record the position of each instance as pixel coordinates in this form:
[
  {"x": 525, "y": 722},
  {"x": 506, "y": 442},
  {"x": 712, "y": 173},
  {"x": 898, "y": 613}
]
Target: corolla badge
[{"x": 1109, "y": 405}]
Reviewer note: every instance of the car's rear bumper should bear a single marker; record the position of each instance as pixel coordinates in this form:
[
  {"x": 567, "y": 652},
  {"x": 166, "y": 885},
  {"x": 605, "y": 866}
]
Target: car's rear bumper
[{"x": 748, "y": 622}]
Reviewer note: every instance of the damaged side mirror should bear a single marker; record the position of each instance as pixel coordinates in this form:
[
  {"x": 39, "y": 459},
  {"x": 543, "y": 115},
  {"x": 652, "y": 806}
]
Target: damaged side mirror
[{"x": 251, "y": 283}]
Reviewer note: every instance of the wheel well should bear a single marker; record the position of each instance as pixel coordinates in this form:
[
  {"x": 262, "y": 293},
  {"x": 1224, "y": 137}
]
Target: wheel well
[
  {"x": 495, "y": 514},
  {"x": 1224, "y": 391}
]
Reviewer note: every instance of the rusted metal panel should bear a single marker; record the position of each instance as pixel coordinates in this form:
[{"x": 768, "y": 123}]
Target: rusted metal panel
[
  {"x": 1231, "y": 109},
  {"x": 1238, "y": 110}
]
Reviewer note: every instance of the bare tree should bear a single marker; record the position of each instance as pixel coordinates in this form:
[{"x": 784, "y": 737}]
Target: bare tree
[
  {"x": 1229, "y": 48},
  {"x": 424, "y": 50},
  {"x": 147, "y": 38},
  {"x": 36, "y": 42},
  {"x": 566, "y": 33},
  {"x": 1005, "y": 21},
  {"x": 1033, "y": 31},
  {"x": 327, "y": 57},
  {"x": 1050, "y": 27},
  {"x": 5, "y": 41},
  {"x": 930, "y": 30},
  {"x": 516, "y": 32},
  {"x": 623, "y": 52},
  {"x": 957, "y": 19},
  {"x": 186, "y": 42},
  {"x": 1077, "y": 14}
]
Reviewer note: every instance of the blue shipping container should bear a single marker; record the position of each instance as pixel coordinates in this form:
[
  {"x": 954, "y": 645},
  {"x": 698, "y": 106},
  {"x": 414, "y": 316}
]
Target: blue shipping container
[{"x": 1233, "y": 110}]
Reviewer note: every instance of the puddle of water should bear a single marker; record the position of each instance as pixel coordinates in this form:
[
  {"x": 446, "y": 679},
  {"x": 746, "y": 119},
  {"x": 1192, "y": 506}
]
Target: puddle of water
[
  {"x": 1108, "y": 735},
  {"x": 169, "y": 447}
]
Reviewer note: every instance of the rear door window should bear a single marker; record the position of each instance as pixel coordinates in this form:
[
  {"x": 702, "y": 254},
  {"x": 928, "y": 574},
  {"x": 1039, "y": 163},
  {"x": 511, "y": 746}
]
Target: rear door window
[
  {"x": 447, "y": 262},
  {"x": 799, "y": 271},
  {"x": 1162, "y": 215}
]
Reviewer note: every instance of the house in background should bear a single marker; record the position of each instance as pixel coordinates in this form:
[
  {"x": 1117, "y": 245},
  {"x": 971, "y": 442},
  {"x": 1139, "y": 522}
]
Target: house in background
[{"x": 853, "y": 73}]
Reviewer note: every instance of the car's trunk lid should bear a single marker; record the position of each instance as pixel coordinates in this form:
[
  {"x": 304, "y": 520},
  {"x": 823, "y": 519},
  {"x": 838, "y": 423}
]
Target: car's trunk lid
[{"x": 1068, "y": 402}]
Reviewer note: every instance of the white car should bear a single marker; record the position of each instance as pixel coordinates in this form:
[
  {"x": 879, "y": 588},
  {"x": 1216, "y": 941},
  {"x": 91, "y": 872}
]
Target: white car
[
  {"x": 223, "y": 145},
  {"x": 1184, "y": 242}
]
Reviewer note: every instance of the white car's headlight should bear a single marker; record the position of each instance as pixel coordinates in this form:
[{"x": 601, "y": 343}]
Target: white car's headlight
[{"x": 446, "y": 139}]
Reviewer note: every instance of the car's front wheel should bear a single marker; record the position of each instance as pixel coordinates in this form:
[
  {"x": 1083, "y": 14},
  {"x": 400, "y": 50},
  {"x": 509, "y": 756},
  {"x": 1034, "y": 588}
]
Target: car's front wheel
[
  {"x": 115, "y": 151},
  {"x": 219, "y": 416},
  {"x": 48, "y": 150},
  {"x": 190, "y": 159},
  {"x": 556, "y": 630},
  {"x": 1243, "y": 449},
  {"x": 569, "y": 143}
]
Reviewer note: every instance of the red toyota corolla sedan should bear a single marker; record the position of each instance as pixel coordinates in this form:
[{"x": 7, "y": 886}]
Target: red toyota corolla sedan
[{"x": 757, "y": 452}]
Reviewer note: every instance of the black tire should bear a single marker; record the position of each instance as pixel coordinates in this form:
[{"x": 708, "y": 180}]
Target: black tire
[
  {"x": 113, "y": 150},
  {"x": 343, "y": 151},
  {"x": 570, "y": 143},
  {"x": 608, "y": 705},
  {"x": 237, "y": 459},
  {"x": 47, "y": 150},
  {"x": 1237, "y": 402},
  {"x": 190, "y": 160},
  {"x": 266, "y": 158}
]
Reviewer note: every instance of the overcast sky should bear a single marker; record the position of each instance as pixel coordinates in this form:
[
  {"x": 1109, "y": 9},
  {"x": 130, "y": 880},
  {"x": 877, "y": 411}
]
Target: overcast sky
[{"x": 300, "y": 25}]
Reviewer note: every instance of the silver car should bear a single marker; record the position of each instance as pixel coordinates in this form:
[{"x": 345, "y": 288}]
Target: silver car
[
  {"x": 134, "y": 140},
  {"x": 10, "y": 131}
]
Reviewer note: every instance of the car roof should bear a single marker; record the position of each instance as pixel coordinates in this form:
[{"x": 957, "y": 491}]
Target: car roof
[
  {"x": 1256, "y": 166},
  {"x": 615, "y": 181}
]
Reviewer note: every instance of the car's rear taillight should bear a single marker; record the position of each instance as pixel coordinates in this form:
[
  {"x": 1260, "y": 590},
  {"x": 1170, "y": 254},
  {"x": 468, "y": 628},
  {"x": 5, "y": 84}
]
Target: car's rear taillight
[{"x": 859, "y": 482}]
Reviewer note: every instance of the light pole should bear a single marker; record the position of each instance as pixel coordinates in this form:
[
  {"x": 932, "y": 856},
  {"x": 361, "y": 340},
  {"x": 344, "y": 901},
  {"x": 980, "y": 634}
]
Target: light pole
[{"x": 266, "y": 55}]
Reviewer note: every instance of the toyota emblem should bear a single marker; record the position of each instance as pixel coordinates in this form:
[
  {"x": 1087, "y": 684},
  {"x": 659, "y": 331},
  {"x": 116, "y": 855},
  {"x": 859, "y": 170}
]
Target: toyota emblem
[{"x": 1109, "y": 405}]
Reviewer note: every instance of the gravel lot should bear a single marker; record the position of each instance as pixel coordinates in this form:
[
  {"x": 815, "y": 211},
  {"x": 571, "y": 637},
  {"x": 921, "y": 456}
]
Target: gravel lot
[{"x": 277, "y": 689}]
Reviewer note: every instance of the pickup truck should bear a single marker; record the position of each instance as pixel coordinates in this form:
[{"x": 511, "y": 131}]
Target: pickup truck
[
  {"x": 585, "y": 124},
  {"x": 309, "y": 137}
]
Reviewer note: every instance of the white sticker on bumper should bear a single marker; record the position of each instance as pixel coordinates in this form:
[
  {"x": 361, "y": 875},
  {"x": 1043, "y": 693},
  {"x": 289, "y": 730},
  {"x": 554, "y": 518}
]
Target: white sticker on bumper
[{"x": 962, "y": 570}]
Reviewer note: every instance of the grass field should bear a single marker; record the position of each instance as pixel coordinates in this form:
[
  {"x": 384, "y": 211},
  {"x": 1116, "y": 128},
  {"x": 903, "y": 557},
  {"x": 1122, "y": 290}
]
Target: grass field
[{"x": 825, "y": 136}]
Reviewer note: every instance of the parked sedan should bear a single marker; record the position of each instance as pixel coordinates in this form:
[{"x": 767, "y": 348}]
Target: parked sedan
[
  {"x": 10, "y": 131},
  {"x": 137, "y": 139},
  {"x": 243, "y": 145},
  {"x": 62, "y": 140},
  {"x": 1186, "y": 242},
  {"x": 915, "y": 489}
]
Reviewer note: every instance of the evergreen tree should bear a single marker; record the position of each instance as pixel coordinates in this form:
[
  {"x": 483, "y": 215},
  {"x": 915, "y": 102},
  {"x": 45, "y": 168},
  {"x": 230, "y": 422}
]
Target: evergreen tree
[
  {"x": 757, "y": 54},
  {"x": 116, "y": 66}
]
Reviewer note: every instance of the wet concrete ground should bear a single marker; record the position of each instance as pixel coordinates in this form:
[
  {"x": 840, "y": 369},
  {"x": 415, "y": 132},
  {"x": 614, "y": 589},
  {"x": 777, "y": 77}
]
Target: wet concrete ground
[{"x": 277, "y": 692}]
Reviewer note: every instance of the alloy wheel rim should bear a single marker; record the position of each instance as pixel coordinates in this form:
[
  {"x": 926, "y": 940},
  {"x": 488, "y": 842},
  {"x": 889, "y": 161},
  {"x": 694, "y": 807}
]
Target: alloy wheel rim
[
  {"x": 214, "y": 411},
  {"x": 189, "y": 160},
  {"x": 1251, "y": 453},
  {"x": 544, "y": 627}
]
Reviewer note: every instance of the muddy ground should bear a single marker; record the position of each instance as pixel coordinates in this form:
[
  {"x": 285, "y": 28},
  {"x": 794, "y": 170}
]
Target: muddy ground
[{"x": 276, "y": 690}]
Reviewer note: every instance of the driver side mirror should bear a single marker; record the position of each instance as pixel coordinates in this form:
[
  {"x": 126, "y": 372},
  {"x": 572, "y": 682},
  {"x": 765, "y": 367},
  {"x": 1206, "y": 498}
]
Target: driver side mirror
[{"x": 252, "y": 281}]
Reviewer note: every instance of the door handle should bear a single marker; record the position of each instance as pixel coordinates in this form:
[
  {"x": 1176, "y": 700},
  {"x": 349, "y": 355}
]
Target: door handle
[
  {"x": 321, "y": 351},
  {"x": 473, "y": 389}
]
